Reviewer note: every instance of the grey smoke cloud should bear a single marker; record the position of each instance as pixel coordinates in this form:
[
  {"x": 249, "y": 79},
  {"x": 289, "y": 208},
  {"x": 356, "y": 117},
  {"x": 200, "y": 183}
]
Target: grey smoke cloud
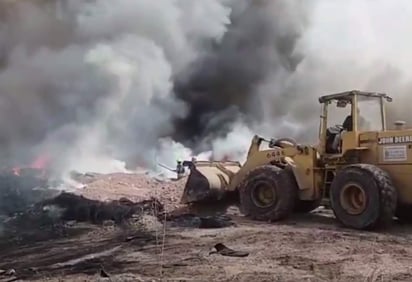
[
  {"x": 224, "y": 86},
  {"x": 344, "y": 45},
  {"x": 355, "y": 45},
  {"x": 87, "y": 81}
]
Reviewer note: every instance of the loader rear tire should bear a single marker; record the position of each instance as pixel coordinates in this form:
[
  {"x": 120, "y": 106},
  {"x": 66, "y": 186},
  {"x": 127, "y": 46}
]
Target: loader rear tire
[
  {"x": 280, "y": 183},
  {"x": 363, "y": 197}
]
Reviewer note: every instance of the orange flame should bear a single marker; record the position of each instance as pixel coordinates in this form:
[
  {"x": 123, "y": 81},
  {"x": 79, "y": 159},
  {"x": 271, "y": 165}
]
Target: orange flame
[
  {"x": 40, "y": 163},
  {"x": 16, "y": 171}
]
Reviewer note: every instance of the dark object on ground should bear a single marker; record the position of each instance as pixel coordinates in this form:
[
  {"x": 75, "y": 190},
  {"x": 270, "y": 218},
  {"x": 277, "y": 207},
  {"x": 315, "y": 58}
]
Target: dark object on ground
[
  {"x": 215, "y": 222},
  {"x": 104, "y": 274},
  {"x": 80, "y": 208},
  {"x": 195, "y": 221},
  {"x": 8, "y": 272},
  {"x": 225, "y": 251}
]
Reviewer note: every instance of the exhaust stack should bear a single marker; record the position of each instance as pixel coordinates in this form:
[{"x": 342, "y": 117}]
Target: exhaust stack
[{"x": 399, "y": 124}]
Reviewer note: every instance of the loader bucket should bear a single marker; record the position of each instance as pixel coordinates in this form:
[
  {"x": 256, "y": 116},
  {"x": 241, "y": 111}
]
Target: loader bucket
[{"x": 208, "y": 181}]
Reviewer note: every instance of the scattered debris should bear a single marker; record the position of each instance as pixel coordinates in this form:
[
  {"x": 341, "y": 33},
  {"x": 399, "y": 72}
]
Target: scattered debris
[
  {"x": 8, "y": 272},
  {"x": 130, "y": 252},
  {"x": 80, "y": 208},
  {"x": 104, "y": 274},
  {"x": 216, "y": 222},
  {"x": 195, "y": 221},
  {"x": 225, "y": 251},
  {"x": 86, "y": 258},
  {"x": 8, "y": 275},
  {"x": 133, "y": 237},
  {"x": 18, "y": 192}
]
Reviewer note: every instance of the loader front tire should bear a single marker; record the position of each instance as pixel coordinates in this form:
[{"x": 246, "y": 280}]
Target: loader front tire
[
  {"x": 363, "y": 197},
  {"x": 268, "y": 193}
]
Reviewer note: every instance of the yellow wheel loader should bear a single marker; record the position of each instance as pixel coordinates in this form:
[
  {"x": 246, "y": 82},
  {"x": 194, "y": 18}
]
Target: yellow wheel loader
[{"x": 363, "y": 169}]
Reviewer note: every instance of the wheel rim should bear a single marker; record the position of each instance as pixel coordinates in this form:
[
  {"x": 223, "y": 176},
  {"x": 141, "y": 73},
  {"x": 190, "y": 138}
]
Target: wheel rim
[
  {"x": 353, "y": 199},
  {"x": 263, "y": 195}
]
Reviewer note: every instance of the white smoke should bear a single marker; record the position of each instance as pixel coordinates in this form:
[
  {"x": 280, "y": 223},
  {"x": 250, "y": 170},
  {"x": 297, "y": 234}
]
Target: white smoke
[
  {"x": 92, "y": 82},
  {"x": 349, "y": 49},
  {"x": 235, "y": 145},
  {"x": 354, "y": 44},
  {"x": 168, "y": 152},
  {"x": 104, "y": 90},
  {"x": 143, "y": 62}
]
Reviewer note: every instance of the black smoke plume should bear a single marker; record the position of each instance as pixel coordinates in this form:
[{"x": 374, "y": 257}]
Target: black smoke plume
[
  {"x": 222, "y": 86},
  {"x": 90, "y": 81}
]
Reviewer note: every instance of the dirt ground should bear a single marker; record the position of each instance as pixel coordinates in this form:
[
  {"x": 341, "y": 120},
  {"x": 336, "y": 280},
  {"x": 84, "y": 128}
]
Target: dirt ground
[{"x": 310, "y": 247}]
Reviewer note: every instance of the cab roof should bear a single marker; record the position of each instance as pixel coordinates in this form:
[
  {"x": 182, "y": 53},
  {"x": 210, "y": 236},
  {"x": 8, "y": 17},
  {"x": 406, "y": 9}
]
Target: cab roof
[{"x": 347, "y": 95}]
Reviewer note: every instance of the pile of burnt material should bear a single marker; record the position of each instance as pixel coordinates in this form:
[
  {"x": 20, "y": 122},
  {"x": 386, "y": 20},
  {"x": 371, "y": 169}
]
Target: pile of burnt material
[
  {"x": 20, "y": 191},
  {"x": 81, "y": 209}
]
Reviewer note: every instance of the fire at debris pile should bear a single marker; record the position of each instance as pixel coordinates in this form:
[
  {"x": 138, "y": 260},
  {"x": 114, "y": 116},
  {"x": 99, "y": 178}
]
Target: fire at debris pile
[
  {"x": 102, "y": 90},
  {"x": 106, "y": 88}
]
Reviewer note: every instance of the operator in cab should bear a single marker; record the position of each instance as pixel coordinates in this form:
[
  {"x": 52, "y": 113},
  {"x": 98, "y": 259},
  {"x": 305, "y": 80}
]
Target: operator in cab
[
  {"x": 347, "y": 126},
  {"x": 348, "y": 122}
]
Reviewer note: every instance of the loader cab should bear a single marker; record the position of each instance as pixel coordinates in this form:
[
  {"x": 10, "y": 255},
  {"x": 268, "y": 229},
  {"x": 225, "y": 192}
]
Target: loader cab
[{"x": 346, "y": 114}]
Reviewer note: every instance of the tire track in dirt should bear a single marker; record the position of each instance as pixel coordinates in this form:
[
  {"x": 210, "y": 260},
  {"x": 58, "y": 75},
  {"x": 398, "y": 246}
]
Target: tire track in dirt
[{"x": 289, "y": 252}]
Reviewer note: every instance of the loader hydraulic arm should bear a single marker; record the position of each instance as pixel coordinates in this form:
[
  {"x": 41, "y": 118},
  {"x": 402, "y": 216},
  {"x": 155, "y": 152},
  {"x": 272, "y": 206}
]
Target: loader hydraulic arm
[
  {"x": 255, "y": 145},
  {"x": 273, "y": 143}
]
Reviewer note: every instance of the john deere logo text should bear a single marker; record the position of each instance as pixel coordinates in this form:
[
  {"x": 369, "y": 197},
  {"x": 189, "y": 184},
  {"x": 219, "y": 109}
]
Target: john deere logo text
[{"x": 395, "y": 139}]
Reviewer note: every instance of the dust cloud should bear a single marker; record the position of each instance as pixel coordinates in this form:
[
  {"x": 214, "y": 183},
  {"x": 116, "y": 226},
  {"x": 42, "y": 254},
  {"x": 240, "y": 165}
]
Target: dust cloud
[{"x": 99, "y": 85}]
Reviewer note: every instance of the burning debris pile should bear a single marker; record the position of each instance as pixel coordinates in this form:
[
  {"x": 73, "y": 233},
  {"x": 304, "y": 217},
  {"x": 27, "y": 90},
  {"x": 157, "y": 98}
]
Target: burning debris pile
[
  {"x": 115, "y": 197},
  {"x": 61, "y": 215},
  {"x": 21, "y": 188},
  {"x": 96, "y": 86},
  {"x": 79, "y": 208}
]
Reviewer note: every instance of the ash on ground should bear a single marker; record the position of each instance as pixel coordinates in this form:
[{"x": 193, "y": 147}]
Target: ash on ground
[
  {"x": 18, "y": 193},
  {"x": 32, "y": 210}
]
